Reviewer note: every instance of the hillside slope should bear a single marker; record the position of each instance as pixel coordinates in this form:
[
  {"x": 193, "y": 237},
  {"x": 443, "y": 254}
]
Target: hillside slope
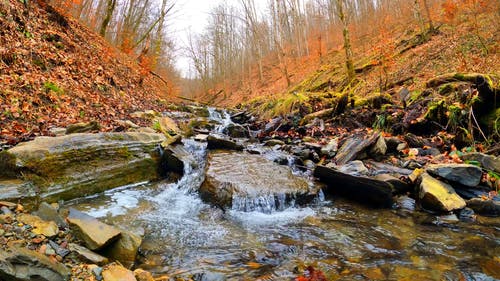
[{"x": 55, "y": 72}]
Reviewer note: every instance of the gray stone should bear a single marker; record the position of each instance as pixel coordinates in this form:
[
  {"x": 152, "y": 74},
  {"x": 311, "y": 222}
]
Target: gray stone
[
  {"x": 248, "y": 178},
  {"x": 465, "y": 174},
  {"x": 354, "y": 168},
  {"x": 174, "y": 158},
  {"x": 489, "y": 162},
  {"x": 83, "y": 127},
  {"x": 58, "y": 249},
  {"x": 23, "y": 264},
  {"x": 438, "y": 196},
  {"x": 330, "y": 149},
  {"x": 94, "y": 233},
  {"x": 379, "y": 148},
  {"x": 87, "y": 254},
  {"x": 353, "y": 147}
]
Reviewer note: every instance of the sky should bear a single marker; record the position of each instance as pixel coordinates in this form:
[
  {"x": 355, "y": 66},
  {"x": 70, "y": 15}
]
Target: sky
[
  {"x": 193, "y": 15},
  {"x": 190, "y": 15}
]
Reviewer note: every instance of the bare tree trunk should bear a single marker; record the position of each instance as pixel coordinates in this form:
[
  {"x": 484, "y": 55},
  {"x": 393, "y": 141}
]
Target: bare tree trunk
[
  {"x": 109, "y": 14},
  {"x": 351, "y": 75}
]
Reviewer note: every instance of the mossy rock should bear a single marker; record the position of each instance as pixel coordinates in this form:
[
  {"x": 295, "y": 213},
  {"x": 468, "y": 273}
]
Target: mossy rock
[{"x": 78, "y": 165}]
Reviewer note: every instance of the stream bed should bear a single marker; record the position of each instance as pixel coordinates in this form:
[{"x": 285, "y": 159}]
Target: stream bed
[{"x": 186, "y": 237}]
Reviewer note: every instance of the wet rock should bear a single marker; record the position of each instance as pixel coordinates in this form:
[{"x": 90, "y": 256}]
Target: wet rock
[
  {"x": 77, "y": 165},
  {"x": 467, "y": 215},
  {"x": 142, "y": 275},
  {"x": 486, "y": 207},
  {"x": 465, "y": 174},
  {"x": 83, "y": 127},
  {"x": 174, "y": 158},
  {"x": 363, "y": 190},
  {"x": 15, "y": 189},
  {"x": 23, "y": 264},
  {"x": 49, "y": 213},
  {"x": 394, "y": 145},
  {"x": 246, "y": 176},
  {"x": 241, "y": 117},
  {"x": 115, "y": 272},
  {"x": 94, "y": 233},
  {"x": 171, "y": 140},
  {"x": 40, "y": 227},
  {"x": 236, "y": 131},
  {"x": 221, "y": 142},
  {"x": 87, "y": 254},
  {"x": 353, "y": 147},
  {"x": 330, "y": 149},
  {"x": 124, "y": 249},
  {"x": 489, "y": 162},
  {"x": 438, "y": 196},
  {"x": 354, "y": 168},
  {"x": 406, "y": 203}
]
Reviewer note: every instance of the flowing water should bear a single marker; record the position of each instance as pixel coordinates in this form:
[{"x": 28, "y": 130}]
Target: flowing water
[{"x": 185, "y": 236}]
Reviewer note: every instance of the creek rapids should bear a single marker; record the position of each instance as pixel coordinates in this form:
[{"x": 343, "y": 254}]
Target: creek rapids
[{"x": 269, "y": 239}]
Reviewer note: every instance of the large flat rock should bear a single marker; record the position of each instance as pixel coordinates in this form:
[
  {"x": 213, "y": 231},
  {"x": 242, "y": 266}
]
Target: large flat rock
[
  {"x": 76, "y": 165},
  {"x": 246, "y": 179},
  {"x": 465, "y": 174}
]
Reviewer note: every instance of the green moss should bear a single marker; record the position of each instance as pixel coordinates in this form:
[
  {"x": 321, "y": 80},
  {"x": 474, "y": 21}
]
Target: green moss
[{"x": 8, "y": 164}]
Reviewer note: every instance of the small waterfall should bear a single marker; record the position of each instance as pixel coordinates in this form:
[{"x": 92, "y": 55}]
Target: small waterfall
[
  {"x": 264, "y": 203},
  {"x": 223, "y": 118}
]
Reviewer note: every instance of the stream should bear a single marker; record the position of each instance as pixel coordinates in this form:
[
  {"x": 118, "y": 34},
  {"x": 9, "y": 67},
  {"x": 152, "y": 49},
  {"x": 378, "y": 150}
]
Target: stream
[{"x": 184, "y": 236}]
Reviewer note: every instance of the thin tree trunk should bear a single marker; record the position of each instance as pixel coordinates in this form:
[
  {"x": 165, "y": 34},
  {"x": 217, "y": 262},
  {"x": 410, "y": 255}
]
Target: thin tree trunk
[
  {"x": 109, "y": 14},
  {"x": 351, "y": 75}
]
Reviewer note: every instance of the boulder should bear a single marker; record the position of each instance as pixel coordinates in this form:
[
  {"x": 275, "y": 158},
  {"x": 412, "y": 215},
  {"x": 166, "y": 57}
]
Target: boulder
[
  {"x": 438, "y": 196},
  {"x": 94, "y": 233},
  {"x": 364, "y": 190},
  {"x": 87, "y": 255},
  {"x": 24, "y": 264},
  {"x": 465, "y": 174},
  {"x": 115, "y": 272},
  {"x": 488, "y": 162},
  {"x": 174, "y": 158},
  {"x": 77, "y": 165},
  {"x": 40, "y": 227},
  {"x": 398, "y": 186},
  {"x": 236, "y": 131},
  {"x": 484, "y": 207},
  {"x": 250, "y": 182},
  {"x": 124, "y": 249},
  {"x": 216, "y": 141}
]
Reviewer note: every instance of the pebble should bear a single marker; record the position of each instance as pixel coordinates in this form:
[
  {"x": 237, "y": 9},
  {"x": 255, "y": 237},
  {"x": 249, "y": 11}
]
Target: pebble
[
  {"x": 50, "y": 251},
  {"x": 5, "y": 210},
  {"x": 2, "y": 232}
]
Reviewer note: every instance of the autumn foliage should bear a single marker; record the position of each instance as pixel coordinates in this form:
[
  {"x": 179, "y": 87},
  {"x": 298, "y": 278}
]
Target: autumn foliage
[{"x": 57, "y": 73}]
